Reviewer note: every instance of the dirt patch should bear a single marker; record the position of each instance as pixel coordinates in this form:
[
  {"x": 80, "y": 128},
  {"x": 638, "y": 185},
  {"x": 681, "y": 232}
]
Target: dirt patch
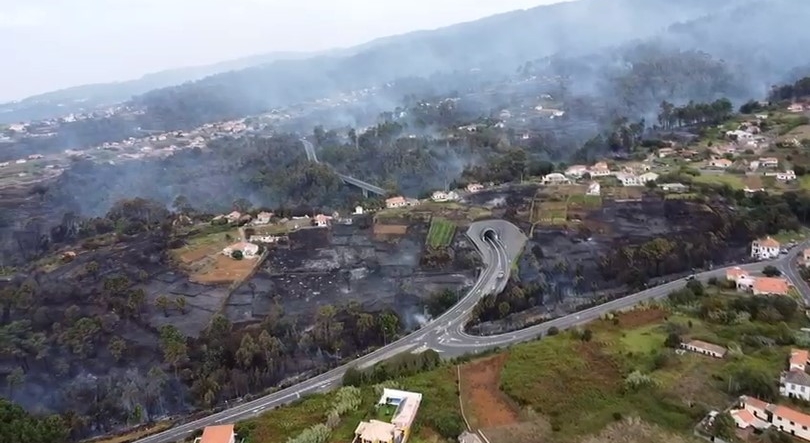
[
  {"x": 380, "y": 229},
  {"x": 753, "y": 181},
  {"x": 634, "y": 430},
  {"x": 537, "y": 429},
  {"x": 640, "y": 317},
  {"x": 221, "y": 269},
  {"x": 488, "y": 406}
]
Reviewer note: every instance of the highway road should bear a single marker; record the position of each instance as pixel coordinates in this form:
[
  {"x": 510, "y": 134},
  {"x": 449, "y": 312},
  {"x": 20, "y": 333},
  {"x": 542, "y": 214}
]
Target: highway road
[{"x": 498, "y": 241}]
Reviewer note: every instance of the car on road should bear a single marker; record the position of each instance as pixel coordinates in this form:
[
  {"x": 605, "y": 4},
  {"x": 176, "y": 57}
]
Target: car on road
[
  {"x": 691, "y": 277},
  {"x": 500, "y": 274}
]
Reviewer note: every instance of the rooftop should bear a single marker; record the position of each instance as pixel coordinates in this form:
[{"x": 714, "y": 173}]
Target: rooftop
[
  {"x": 375, "y": 431},
  {"x": 771, "y": 285},
  {"x": 796, "y": 377},
  {"x": 707, "y": 346},
  {"x": 217, "y": 434},
  {"x": 799, "y": 356}
]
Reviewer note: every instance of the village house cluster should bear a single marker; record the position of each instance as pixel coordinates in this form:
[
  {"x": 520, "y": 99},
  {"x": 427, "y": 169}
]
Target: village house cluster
[
  {"x": 439, "y": 196},
  {"x": 753, "y": 413},
  {"x": 249, "y": 248}
]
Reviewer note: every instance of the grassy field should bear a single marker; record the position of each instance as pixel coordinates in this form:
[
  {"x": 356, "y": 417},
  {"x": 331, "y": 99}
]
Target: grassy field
[
  {"x": 733, "y": 180},
  {"x": 441, "y": 233}
]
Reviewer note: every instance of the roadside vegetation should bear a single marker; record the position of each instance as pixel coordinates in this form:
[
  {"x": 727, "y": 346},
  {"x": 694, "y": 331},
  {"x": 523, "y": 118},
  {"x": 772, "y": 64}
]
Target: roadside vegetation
[{"x": 617, "y": 376}]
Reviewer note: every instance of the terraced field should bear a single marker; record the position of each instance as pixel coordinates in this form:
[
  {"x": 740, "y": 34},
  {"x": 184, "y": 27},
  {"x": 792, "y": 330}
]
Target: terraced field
[{"x": 441, "y": 233}]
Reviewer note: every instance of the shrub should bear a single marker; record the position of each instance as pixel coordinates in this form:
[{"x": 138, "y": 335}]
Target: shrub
[{"x": 553, "y": 331}]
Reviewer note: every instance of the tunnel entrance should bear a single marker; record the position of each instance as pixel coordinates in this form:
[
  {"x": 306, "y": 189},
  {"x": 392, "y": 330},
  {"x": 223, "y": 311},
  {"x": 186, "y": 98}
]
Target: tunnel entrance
[{"x": 490, "y": 234}]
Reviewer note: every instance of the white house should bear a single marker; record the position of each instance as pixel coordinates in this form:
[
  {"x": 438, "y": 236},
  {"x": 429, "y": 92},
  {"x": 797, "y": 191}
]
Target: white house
[
  {"x": 21, "y": 161},
  {"x": 263, "y": 218},
  {"x": 576, "y": 171},
  {"x": 795, "y": 107},
  {"x": 474, "y": 187},
  {"x": 765, "y": 248},
  {"x": 753, "y": 165},
  {"x": 674, "y": 187},
  {"x": 358, "y": 210},
  {"x": 249, "y": 250},
  {"x": 786, "y": 176},
  {"x": 665, "y": 152},
  {"x": 444, "y": 196},
  {"x": 628, "y": 179},
  {"x": 719, "y": 163},
  {"x": 233, "y": 217},
  {"x": 782, "y": 418},
  {"x": 599, "y": 169},
  {"x": 795, "y": 384},
  {"x": 648, "y": 177},
  {"x": 701, "y": 347},
  {"x": 396, "y": 202},
  {"x": 217, "y": 434},
  {"x": 594, "y": 189},
  {"x": 264, "y": 238},
  {"x": 555, "y": 178},
  {"x": 739, "y": 135},
  {"x": 769, "y": 162},
  {"x": 322, "y": 220}
]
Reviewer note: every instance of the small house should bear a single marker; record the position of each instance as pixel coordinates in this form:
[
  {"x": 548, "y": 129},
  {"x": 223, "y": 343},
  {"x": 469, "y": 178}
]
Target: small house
[
  {"x": 233, "y": 217},
  {"x": 555, "y": 178},
  {"x": 594, "y": 189},
  {"x": 769, "y": 162},
  {"x": 648, "y": 177},
  {"x": 263, "y": 218},
  {"x": 248, "y": 250},
  {"x": 576, "y": 171},
  {"x": 720, "y": 163},
  {"x": 599, "y": 169},
  {"x": 674, "y": 187},
  {"x": 736, "y": 273},
  {"x": 704, "y": 348},
  {"x": 396, "y": 202},
  {"x": 474, "y": 187},
  {"x": 628, "y": 179}
]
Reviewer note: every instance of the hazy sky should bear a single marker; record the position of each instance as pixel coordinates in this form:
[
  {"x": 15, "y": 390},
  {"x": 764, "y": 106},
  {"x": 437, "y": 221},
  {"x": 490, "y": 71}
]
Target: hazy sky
[{"x": 51, "y": 44}]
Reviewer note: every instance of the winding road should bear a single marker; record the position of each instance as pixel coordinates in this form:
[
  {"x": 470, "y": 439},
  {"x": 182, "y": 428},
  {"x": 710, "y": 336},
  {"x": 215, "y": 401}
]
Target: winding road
[{"x": 500, "y": 244}]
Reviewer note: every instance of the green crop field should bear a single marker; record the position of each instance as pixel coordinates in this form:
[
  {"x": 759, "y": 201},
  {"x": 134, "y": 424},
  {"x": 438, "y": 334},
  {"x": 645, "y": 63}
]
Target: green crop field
[{"x": 441, "y": 233}]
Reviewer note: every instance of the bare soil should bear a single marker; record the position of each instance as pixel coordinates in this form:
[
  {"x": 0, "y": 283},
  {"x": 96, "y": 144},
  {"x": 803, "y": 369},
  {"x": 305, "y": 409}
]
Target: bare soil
[
  {"x": 221, "y": 269},
  {"x": 489, "y": 406},
  {"x": 380, "y": 229},
  {"x": 640, "y": 317}
]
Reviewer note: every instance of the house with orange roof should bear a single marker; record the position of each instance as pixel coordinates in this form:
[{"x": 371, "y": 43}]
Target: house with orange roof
[
  {"x": 770, "y": 286},
  {"x": 396, "y": 202},
  {"x": 799, "y": 359},
  {"x": 217, "y": 434},
  {"x": 736, "y": 273},
  {"x": 765, "y": 248},
  {"x": 766, "y": 415}
]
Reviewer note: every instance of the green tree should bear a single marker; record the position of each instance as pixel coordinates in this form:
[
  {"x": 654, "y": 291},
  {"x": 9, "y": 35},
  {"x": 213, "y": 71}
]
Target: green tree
[
  {"x": 117, "y": 346},
  {"x": 673, "y": 340},
  {"x": 163, "y": 303},
  {"x": 388, "y": 323},
  {"x": 247, "y": 351},
  {"x": 723, "y": 426},
  {"x": 173, "y": 345}
]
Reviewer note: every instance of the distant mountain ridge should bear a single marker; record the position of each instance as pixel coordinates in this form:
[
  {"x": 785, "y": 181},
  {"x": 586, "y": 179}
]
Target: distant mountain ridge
[{"x": 85, "y": 97}]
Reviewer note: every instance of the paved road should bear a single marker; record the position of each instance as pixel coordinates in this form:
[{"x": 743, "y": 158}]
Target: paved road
[
  {"x": 497, "y": 257},
  {"x": 446, "y": 333},
  {"x": 313, "y": 157},
  {"x": 458, "y": 342}
]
